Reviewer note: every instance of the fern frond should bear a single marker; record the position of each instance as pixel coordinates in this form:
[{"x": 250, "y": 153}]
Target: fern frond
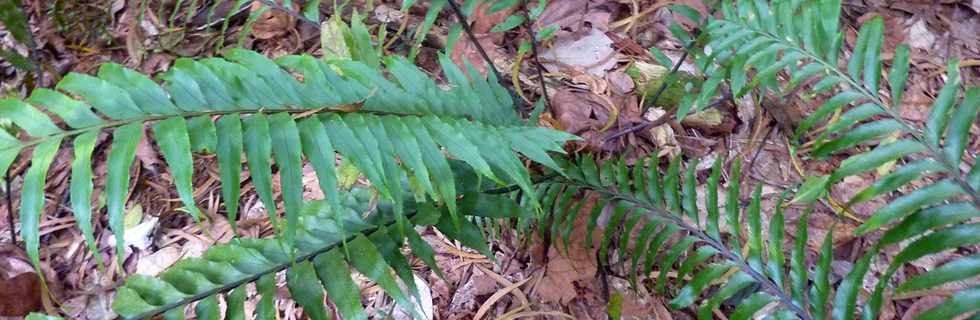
[
  {"x": 757, "y": 43},
  {"x": 389, "y": 129},
  {"x": 329, "y": 245},
  {"x": 671, "y": 235},
  {"x": 730, "y": 252}
]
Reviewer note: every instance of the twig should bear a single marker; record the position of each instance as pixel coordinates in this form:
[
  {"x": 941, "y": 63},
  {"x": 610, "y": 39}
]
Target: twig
[
  {"x": 10, "y": 208},
  {"x": 762, "y": 145},
  {"x": 661, "y": 120},
  {"x": 472, "y": 37},
  {"x": 483, "y": 53},
  {"x": 534, "y": 50}
]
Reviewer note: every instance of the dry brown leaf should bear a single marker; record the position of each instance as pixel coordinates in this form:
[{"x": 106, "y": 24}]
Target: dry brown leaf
[
  {"x": 148, "y": 156},
  {"x": 573, "y": 15},
  {"x": 155, "y": 263},
  {"x": 919, "y": 35},
  {"x": 620, "y": 83},
  {"x": 580, "y": 112},
  {"x": 482, "y": 23},
  {"x": 20, "y": 288},
  {"x": 580, "y": 44},
  {"x": 566, "y": 271},
  {"x": 465, "y": 49},
  {"x": 271, "y": 23},
  {"x": 921, "y": 305},
  {"x": 588, "y": 51}
]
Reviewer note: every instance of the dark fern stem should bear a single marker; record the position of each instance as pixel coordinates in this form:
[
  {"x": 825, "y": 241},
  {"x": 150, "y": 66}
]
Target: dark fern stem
[
  {"x": 10, "y": 208},
  {"x": 519, "y": 104},
  {"x": 534, "y": 52}
]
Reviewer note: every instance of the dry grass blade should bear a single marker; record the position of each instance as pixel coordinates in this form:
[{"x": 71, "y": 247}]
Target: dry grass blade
[{"x": 496, "y": 296}]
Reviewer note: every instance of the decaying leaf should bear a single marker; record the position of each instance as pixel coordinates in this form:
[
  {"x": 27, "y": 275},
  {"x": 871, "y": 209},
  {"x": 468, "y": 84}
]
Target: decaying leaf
[
  {"x": 591, "y": 53},
  {"x": 20, "y": 287},
  {"x": 565, "y": 270},
  {"x": 271, "y": 23}
]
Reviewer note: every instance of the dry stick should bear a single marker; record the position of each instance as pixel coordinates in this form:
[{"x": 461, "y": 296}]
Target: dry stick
[
  {"x": 472, "y": 37},
  {"x": 662, "y": 119},
  {"x": 534, "y": 52},
  {"x": 10, "y": 208},
  {"x": 762, "y": 145}
]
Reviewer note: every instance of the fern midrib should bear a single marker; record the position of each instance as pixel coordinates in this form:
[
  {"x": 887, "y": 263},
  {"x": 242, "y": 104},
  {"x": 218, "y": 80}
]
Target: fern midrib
[
  {"x": 300, "y": 113},
  {"x": 915, "y": 132},
  {"x": 726, "y": 252}
]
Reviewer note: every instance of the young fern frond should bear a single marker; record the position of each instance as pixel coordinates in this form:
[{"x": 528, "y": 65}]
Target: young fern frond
[{"x": 387, "y": 129}]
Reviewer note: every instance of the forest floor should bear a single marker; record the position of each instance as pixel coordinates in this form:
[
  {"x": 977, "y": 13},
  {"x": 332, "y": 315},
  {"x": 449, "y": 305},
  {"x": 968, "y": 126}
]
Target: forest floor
[{"x": 590, "y": 95}]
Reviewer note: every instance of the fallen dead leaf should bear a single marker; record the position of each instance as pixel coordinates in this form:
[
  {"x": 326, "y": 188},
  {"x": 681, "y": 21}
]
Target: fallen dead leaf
[
  {"x": 573, "y": 15},
  {"x": 148, "y": 156},
  {"x": 663, "y": 135},
  {"x": 580, "y": 43},
  {"x": 466, "y": 52},
  {"x": 271, "y": 23},
  {"x": 567, "y": 270},
  {"x": 921, "y": 305},
  {"x": 590, "y": 52},
  {"x": 920, "y": 37},
  {"x": 620, "y": 83},
  {"x": 158, "y": 261},
  {"x": 580, "y": 111},
  {"x": 20, "y": 288}
]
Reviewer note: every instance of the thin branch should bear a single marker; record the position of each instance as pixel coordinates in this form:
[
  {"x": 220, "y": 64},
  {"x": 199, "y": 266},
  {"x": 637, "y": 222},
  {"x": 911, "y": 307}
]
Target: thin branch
[
  {"x": 662, "y": 119},
  {"x": 534, "y": 51},
  {"x": 472, "y": 38},
  {"x": 519, "y": 104},
  {"x": 10, "y": 208}
]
